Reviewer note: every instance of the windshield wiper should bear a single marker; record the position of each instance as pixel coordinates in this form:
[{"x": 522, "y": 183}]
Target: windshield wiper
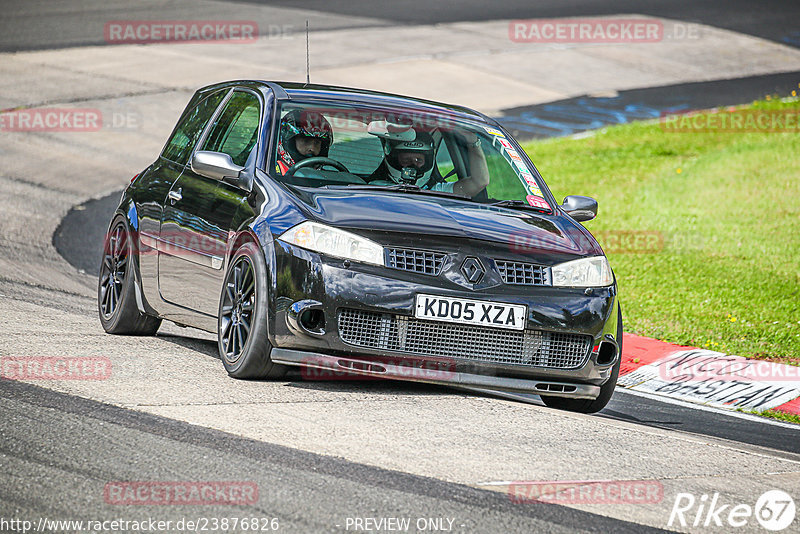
[
  {"x": 403, "y": 188},
  {"x": 520, "y": 204}
]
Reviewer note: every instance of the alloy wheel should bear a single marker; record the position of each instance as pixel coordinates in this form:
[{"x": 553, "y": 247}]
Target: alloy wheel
[
  {"x": 238, "y": 307},
  {"x": 112, "y": 274}
]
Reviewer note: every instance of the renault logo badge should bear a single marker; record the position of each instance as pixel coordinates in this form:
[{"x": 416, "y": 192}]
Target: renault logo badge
[{"x": 472, "y": 270}]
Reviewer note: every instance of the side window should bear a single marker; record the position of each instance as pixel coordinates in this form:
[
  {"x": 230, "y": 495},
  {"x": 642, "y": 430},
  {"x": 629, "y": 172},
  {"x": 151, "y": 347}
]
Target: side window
[
  {"x": 190, "y": 128},
  {"x": 236, "y": 129},
  {"x": 444, "y": 163},
  {"x": 507, "y": 181}
]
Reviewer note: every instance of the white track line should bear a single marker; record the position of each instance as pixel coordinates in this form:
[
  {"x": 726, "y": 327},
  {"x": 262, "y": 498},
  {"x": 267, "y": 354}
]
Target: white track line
[{"x": 685, "y": 404}]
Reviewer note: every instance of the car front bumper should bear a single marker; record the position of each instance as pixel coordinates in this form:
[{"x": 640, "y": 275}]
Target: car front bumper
[{"x": 307, "y": 283}]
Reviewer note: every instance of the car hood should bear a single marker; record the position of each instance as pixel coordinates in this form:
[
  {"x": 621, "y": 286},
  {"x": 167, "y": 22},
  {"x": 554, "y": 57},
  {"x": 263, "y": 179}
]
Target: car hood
[{"x": 526, "y": 232}]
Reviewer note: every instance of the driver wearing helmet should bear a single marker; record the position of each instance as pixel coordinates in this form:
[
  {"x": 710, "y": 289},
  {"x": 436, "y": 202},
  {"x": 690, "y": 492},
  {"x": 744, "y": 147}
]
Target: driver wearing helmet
[
  {"x": 409, "y": 158},
  {"x": 303, "y": 134}
]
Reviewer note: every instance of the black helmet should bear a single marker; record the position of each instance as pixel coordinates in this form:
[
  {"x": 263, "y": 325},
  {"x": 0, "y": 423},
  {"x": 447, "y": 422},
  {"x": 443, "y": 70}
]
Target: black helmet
[
  {"x": 305, "y": 123},
  {"x": 422, "y": 143}
]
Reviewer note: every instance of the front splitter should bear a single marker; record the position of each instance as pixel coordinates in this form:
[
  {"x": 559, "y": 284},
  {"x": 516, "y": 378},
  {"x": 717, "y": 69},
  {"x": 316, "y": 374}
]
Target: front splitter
[{"x": 355, "y": 366}]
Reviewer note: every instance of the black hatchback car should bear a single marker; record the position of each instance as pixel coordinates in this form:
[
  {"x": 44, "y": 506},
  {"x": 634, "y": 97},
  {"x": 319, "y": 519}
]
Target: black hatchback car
[{"x": 366, "y": 234}]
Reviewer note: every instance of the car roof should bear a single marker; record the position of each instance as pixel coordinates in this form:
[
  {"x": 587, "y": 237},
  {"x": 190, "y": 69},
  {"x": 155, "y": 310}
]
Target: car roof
[{"x": 302, "y": 91}]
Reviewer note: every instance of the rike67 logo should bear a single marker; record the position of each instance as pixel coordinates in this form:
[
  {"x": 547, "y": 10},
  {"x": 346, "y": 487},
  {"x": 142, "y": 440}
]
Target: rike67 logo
[{"x": 774, "y": 510}]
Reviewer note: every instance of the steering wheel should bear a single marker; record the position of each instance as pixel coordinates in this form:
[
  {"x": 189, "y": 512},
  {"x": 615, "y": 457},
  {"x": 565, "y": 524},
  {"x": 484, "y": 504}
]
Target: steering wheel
[{"x": 318, "y": 162}]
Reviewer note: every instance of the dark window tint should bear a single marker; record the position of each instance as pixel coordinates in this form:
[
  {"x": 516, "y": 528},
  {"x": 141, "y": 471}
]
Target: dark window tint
[
  {"x": 236, "y": 129},
  {"x": 190, "y": 128}
]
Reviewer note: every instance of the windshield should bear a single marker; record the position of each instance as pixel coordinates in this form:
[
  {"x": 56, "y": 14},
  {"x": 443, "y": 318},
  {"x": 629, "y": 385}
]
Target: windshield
[{"x": 402, "y": 150}]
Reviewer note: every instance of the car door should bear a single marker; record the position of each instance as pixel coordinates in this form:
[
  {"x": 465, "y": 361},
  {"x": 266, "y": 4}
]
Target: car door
[
  {"x": 154, "y": 184},
  {"x": 198, "y": 210}
]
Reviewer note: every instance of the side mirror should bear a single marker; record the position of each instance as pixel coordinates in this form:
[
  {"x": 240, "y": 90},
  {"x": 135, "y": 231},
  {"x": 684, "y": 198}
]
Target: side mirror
[
  {"x": 580, "y": 208},
  {"x": 215, "y": 165}
]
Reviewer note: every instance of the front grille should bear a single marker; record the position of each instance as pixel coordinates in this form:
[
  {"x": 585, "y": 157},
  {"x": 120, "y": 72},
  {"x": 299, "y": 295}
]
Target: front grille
[
  {"x": 416, "y": 261},
  {"x": 523, "y": 274},
  {"x": 529, "y": 347}
]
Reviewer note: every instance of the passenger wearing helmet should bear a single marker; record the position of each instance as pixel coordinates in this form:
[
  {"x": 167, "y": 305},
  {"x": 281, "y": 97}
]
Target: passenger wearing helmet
[
  {"x": 409, "y": 158},
  {"x": 303, "y": 134}
]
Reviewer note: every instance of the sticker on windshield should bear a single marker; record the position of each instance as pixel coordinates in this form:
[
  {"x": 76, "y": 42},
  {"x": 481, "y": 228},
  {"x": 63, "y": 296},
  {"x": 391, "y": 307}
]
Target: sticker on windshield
[
  {"x": 537, "y": 202},
  {"x": 506, "y": 144},
  {"x": 493, "y": 131},
  {"x": 515, "y": 156},
  {"x": 533, "y": 187},
  {"x": 523, "y": 169},
  {"x": 524, "y": 174}
]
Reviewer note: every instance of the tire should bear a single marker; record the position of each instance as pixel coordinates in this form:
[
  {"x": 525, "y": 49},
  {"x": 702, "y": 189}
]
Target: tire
[
  {"x": 116, "y": 297},
  {"x": 242, "y": 339},
  {"x": 606, "y": 390}
]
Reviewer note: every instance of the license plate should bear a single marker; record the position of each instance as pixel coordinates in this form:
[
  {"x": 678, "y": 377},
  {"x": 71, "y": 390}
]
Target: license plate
[{"x": 467, "y": 311}]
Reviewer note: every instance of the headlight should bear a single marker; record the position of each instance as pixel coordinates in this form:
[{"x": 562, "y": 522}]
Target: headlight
[
  {"x": 586, "y": 272},
  {"x": 333, "y": 242}
]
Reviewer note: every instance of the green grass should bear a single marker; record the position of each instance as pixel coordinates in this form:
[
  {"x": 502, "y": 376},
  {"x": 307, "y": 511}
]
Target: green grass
[
  {"x": 776, "y": 414},
  {"x": 727, "y": 206}
]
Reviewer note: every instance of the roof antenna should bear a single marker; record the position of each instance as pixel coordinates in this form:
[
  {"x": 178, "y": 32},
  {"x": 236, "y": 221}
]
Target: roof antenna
[{"x": 308, "y": 66}]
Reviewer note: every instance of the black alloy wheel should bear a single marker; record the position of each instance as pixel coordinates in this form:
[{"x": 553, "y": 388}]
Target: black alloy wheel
[
  {"x": 242, "y": 339},
  {"x": 112, "y": 272},
  {"x": 236, "y": 313},
  {"x": 116, "y": 297}
]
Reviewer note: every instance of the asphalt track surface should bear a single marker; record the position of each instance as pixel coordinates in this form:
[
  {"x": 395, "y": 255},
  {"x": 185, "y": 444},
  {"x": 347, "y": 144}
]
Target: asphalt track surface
[
  {"x": 41, "y": 24},
  {"x": 776, "y": 20},
  {"x": 79, "y": 240},
  {"x": 306, "y": 492},
  {"x": 574, "y": 115}
]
